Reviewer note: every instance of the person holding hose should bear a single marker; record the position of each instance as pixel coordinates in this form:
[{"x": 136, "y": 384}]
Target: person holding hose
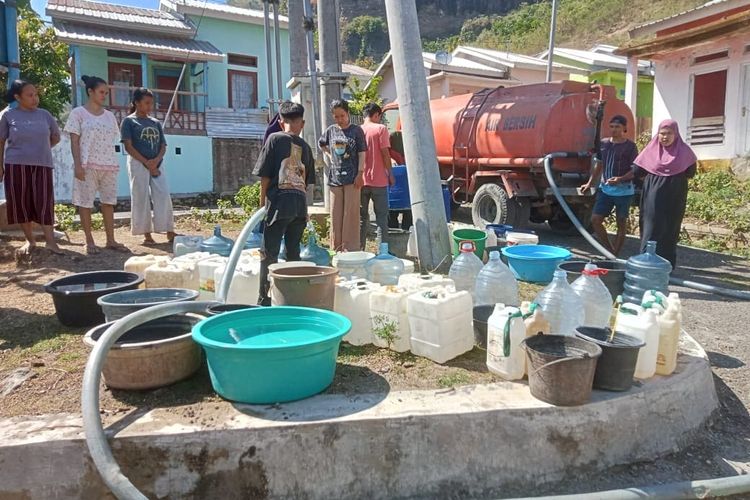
[
  {"x": 344, "y": 146},
  {"x": 665, "y": 164},
  {"x": 93, "y": 133},
  {"x": 27, "y": 135},
  {"x": 146, "y": 145},
  {"x": 377, "y": 174},
  {"x": 615, "y": 160}
]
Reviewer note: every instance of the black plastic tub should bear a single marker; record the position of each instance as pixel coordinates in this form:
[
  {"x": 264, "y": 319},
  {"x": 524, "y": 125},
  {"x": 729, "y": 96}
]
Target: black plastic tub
[
  {"x": 614, "y": 371},
  {"x": 222, "y": 308},
  {"x": 75, "y": 296},
  {"x": 614, "y": 280},
  {"x": 481, "y": 316}
]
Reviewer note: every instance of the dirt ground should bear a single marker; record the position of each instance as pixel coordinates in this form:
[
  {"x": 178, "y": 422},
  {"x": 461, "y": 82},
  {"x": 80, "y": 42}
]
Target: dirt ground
[
  {"x": 54, "y": 356},
  {"x": 34, "y": 344}
]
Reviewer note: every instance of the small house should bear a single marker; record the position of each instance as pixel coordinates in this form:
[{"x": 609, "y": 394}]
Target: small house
[
  {"x": 606, "y": 68},
  {"x": 205, "y": 63},
  {"x": 702, "y": 76}
]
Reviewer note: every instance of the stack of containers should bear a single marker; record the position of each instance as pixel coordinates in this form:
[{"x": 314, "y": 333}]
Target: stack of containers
[
  {"x": 440, "y": 323},
  {"x": 139, "y": 263},
  {"x": 165, "y": 274},
  {"x": 416, "y": 281},
  {"x": 190, "y": 262},
  {"x": 207, "y": 272}
]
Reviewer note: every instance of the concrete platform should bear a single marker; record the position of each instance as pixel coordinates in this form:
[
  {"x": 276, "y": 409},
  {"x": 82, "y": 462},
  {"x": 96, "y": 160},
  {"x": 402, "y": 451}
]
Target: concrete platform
[{"x": 474, "y": 440}]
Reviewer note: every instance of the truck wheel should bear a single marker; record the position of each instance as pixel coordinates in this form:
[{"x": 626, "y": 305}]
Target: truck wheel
[{"x": 492, "y": 206}]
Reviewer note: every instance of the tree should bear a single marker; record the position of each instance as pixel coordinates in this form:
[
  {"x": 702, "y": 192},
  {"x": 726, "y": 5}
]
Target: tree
[
  {"x": 365, "y": 36},
  {"x": 361, "y": 96},
  {"x": 44, "y": 60}
]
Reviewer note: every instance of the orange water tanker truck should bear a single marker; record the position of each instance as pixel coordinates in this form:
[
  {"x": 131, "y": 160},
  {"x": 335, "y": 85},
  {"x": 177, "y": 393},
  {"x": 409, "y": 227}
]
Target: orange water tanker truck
[{"x": 491, "y": 145}]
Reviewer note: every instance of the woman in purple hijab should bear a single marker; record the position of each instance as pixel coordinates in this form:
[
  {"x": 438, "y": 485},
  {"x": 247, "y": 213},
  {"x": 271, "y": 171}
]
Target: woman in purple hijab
[{"x": 666, "y": 164}]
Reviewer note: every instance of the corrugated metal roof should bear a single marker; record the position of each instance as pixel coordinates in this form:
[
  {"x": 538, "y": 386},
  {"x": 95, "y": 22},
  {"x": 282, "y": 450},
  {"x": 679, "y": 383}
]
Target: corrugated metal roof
[
  {"x": 85, "y": 10},
  {"x": 223, "y": 10},
  {"x": 230, "y": 123},
  {"x": 700, "y": 7},
  {"x": 196, "y": 50},
  {"x": 514, "y": 59}
]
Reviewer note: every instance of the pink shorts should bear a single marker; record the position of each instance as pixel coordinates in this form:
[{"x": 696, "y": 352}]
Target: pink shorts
[{"x": 102, "y": 181}]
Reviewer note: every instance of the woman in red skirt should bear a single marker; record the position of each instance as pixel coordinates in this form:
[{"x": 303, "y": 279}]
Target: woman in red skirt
[{"x": 27, "y": 135}]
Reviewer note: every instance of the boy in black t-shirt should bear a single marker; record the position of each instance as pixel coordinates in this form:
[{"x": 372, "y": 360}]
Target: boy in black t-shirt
[{"x": 286, "y": 167}]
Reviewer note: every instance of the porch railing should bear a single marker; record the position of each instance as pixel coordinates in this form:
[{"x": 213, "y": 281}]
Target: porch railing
[{"x": 188, "y": 115}]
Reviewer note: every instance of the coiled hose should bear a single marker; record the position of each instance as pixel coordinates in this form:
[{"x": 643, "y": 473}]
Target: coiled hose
[{"x": 96, "y": 439}]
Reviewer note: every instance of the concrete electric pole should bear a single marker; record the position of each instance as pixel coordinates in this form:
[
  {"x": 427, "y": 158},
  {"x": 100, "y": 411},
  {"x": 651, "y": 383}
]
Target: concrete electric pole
[
  {"x": 297, "y": 44},
  {"x": 551, "y": 51},
  {"x": 330, "y": 66},
  {"x": 419, "y": 142}
]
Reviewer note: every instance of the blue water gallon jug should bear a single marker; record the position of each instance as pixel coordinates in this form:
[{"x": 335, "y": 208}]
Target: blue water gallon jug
[
  {"x": 254, "y": 240},
  {"x": 644, "y": 272},
  {"x": 314, "y": 253},
  {"x": 384, "y": 268},
  {"x": 217, "y": 244},
  {"x": 398, "y": 194}
]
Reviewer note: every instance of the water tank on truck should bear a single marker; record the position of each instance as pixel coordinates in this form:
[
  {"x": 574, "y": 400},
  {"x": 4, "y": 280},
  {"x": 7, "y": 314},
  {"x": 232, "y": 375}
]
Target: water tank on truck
[{"x": 491, "y": 144}]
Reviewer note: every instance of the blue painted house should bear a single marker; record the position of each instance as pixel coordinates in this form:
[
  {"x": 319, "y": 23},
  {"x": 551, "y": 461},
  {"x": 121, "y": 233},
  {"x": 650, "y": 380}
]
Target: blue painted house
[{"x": 220, "y": 109}]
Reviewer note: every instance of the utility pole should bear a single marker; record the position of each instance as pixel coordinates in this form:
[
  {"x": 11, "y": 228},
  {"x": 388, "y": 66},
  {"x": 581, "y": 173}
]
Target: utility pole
[
  {"x": 277, "y": 46},
  {"x": 551, "y": 51},
  {"x": 269, "y": 57},
  {"x": 330, "y": 65},
  {"x": 297, "y": 44},
  {"x": 419, "y": 142}
]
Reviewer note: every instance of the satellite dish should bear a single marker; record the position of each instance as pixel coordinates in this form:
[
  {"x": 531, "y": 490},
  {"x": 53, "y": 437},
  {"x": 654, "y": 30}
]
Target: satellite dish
[{"x": 443, "y": 57}]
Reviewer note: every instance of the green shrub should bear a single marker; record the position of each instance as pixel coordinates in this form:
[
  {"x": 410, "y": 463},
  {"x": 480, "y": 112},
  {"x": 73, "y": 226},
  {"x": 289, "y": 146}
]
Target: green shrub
[
  {"x": 248, "y": 198},
  {"x": 65, "y": 217},
  {"x": 718, "y": 196}
]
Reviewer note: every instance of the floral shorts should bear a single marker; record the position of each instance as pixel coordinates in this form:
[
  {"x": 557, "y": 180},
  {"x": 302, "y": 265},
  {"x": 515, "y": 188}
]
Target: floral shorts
[{"x": 102, "y": 181}]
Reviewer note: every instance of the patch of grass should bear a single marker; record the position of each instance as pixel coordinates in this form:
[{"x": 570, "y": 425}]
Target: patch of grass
[
  {"x": 52, "y": 344},
  {"x": 718, "y": 196},
  {"x": 453, "y": 379}
]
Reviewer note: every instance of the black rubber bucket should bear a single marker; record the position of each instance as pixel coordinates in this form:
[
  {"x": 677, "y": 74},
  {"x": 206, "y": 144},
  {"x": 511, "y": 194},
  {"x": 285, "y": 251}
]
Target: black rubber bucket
[
  {"x": 75, "y": 296},
  {"x": 222, "y": 308},
  {"x": 614, "y": 371},
  {"x": 561, "y": 368},
  {"x": 614, "y": 280},
  {"x": 481, "y": 316}
]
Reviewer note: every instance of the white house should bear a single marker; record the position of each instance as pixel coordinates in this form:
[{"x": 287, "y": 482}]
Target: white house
[
  {"x": 522, "y": 68},
  {"x": 445, "y": 78},
  {"x": 702, "y": 75}
]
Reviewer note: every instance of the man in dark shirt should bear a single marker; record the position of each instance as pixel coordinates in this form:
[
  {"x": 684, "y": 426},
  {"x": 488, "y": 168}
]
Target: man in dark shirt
[
  {"x": 286, "y": 167},
  {"x": 616, "y": 158}
]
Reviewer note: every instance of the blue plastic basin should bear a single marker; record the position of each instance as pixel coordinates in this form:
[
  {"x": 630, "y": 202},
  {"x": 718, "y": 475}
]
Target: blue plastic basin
[
  {"x": 534, "y": 263},
  {"x": 284, "y": 353}
]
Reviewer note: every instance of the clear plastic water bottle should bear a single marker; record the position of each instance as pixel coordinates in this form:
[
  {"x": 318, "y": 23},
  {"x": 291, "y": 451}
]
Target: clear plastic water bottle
[
  {"x": 562, "y": 307},
  {"x": 466, "y": 268},
  {"x": 597, "y": 301},
  {"x": 384, "y": 268},
  {"x": 644, "y": 272},
  {"x": 312, "y": 252},
  {"x": 496, "y": 284}
]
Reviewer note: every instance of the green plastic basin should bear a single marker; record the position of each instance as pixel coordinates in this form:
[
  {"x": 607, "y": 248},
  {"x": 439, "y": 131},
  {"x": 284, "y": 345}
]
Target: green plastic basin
[{"x": 283, "y": 354}]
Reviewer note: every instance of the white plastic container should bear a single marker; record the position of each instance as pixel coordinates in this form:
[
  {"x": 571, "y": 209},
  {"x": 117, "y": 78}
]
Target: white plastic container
[
  {"x": 597, "y": 301},
  {"x": 168, "y": 275},
  {"x": 207, "y": 272},
  {"x": 562, "y": 307},
  {"x": 491, "y": 240},
  {"x": 505, "y": 356},
  {"x": 465, "y": 268},
  {"x": 416, "y": 281},
  {"x": 186, "y": 244},
  {"x": 245, "y": 283},
  {"x": 352, "y": 264},
  {"x": 496, "y": 284},
  {"x": 440, "y": 321},
  {"x": 670, "y": 325},
  {"x": 656, "y": 300},
  {"x": 389, "y": 317},
  {"x": 411, "y": 245},
  {"x": 352, "y": 299},
  {"x": 139, "y": 263},
  {"x": 644, "y": 325},
  {"x": 514, "y": 238}
]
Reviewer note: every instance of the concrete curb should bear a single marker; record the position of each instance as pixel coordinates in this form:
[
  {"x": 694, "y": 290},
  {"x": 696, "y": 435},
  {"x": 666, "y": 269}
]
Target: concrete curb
[{"x": 405, "y": 444}]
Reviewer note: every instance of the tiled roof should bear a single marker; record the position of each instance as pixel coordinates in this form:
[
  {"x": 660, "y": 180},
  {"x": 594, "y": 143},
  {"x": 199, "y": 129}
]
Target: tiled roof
[
  {"x": 221, "y": 10},
  {"x": 196, "y": 50},
  {"x": 112, "y": 14}
]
